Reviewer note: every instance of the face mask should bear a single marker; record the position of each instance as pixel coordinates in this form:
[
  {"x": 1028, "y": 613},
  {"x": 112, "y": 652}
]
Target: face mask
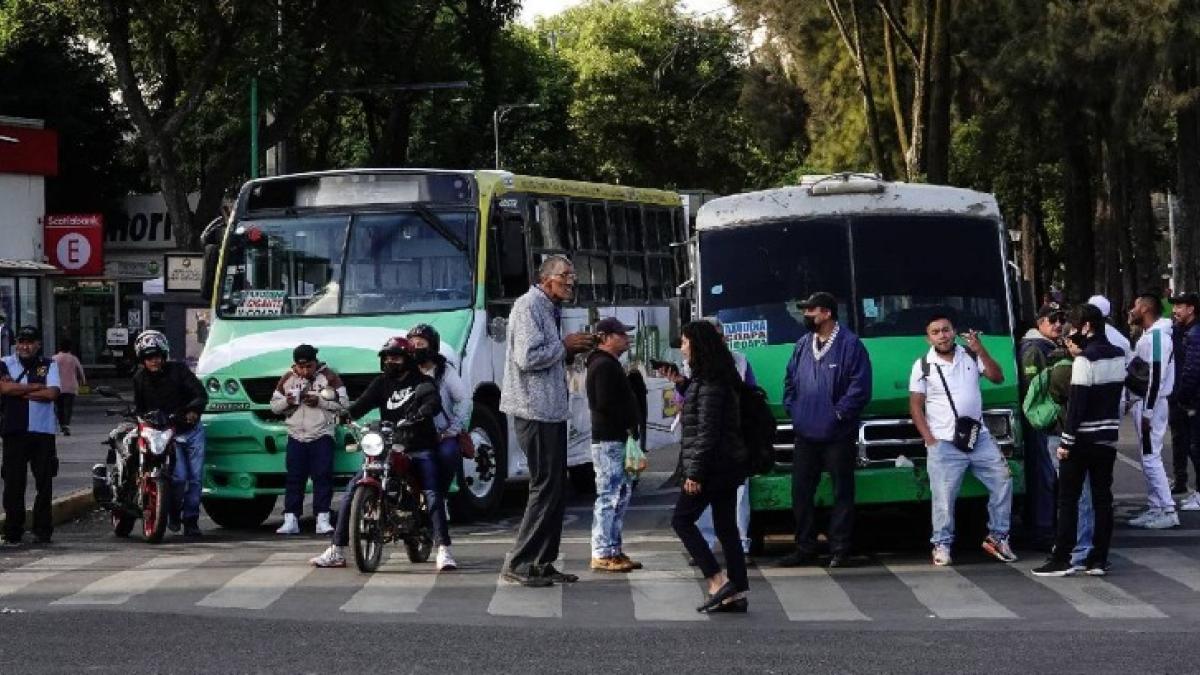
[
  {"x": 394, "y": 369},
  {"x": 810, "y": 324},
  {"x": 423, "y": 355}
]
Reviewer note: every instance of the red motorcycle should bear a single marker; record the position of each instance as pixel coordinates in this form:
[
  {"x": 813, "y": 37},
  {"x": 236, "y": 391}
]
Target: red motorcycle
[{"x": 388, "y": 505}]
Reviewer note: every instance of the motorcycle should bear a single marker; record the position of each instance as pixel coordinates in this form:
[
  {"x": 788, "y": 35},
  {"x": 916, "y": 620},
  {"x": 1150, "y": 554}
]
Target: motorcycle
[
  {"x": 387, "y": 505},
  {"x": 135, "y": 479}
]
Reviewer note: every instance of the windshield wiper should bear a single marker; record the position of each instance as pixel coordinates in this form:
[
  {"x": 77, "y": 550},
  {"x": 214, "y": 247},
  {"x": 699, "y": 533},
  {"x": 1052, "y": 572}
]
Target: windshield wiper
[{"x": 436, "y": 223}]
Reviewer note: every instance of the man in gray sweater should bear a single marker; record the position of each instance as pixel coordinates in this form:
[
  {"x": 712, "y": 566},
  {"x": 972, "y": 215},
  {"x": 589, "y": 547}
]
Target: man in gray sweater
[{"x": 535, "y": 394}]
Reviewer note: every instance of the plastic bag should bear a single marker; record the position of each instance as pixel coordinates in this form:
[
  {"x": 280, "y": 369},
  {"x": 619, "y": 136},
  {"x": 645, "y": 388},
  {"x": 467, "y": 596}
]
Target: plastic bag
[{"x": 635, "y": 459}]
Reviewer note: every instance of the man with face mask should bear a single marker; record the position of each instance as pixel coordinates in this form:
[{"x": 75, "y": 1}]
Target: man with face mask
[
  {"x": 828, "y": 383},
  {"x": 29, "y": 384}
]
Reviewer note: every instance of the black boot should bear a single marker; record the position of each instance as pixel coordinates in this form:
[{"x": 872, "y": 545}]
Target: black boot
[{"x": 191, "y": 527}]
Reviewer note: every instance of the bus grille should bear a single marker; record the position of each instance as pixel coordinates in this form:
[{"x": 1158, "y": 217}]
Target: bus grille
[{"x": 259, "y": 389}]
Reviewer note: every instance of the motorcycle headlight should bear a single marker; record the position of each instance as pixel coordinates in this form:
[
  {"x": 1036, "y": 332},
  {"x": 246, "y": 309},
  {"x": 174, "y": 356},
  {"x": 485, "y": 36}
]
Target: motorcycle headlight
[
  {"x": 157, "y": 440},
  {"x": 371, "y": 444}
]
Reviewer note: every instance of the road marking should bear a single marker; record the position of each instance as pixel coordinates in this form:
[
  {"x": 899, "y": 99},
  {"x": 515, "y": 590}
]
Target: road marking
[
  {"x": 811, "y": 594},
  {"x": 1167, "y": 562},
  {"x": 947, "y": 593},
  {"x": 393, "y": 591},
  {"x": 117, "y": 589},
  {"x": 664, "y": 594},
  {"x": 1096, "y": 598},
  {"x": 262, "y": 585},
  {"x": 27, "y": 575},
  {"x": 515, "y": 600}
]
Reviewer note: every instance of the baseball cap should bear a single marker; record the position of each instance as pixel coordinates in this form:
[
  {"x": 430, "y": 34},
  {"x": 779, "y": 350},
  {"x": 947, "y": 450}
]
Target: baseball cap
[
  {"x": 1101, "y": 303},
  {"x": 304, "y": 353},
  {"x": 610, "y": 325},
  {"x": 1050, "y": 309},
  {"x": 820, "y": 299},
  {"x": 1186, "y": 298},
  {"x": 29, "y": 333}
]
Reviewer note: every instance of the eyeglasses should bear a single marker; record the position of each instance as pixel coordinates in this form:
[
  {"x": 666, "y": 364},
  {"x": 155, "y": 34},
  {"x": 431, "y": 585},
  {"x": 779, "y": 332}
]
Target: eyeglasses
[{"x": 567, "y": 276}]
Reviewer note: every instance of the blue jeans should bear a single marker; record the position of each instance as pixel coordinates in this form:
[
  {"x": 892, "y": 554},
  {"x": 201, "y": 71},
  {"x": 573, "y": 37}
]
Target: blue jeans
[
  {"x": 307, "y": 459},
  {"x": 1087, "y": 516},
  {"x": 743, "y": 520},
  {"x": 1041, "y": 477},
  {"x": 189, "y": 472},
  {"x": 947, "y": 465},
  {"x": 612, "y": 496}
]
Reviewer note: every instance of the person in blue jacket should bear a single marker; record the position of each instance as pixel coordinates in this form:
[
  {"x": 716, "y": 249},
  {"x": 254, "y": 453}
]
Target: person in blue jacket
[{"x": 828, "y": 383}]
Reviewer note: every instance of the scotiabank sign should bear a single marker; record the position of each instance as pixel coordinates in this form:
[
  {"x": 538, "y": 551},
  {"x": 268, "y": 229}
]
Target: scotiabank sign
[{"x": 75, "y": 243}]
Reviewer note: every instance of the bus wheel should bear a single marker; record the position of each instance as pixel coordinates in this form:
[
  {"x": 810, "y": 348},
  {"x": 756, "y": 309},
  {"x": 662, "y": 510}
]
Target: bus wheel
[
  {"x": 583, "y": 479},
  {"x": 240, "y": 514},
  {"x": 481, "y": 478}
]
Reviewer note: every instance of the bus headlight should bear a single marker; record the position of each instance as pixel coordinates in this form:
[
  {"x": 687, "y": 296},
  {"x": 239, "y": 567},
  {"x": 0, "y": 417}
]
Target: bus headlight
[
  {"x": 371, "y": 444},
  {"x": 213, "y": 385},
  {"x": 232, "y": 387}
]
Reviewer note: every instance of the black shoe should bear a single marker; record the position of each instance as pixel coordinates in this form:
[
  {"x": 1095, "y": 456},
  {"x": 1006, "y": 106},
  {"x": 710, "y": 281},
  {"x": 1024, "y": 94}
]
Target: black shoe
[
  {"x": 527, "y": 580},
  {"x": 10, "y": 542},
  {"x": 66, "y": 431},
  {"x": 1179, "y": 487},
  {"x": 723, "y": 593},
  {"x": 691, "y": 562},
  {"x": 549, "y": 572},
  {"x": 797, "y": 558},
  {"x": 191, "y": 527},
  {"x": 840, "y": 560},
  {"x": 1054, "y": 568},
  {"x": 738, "y": 606}
]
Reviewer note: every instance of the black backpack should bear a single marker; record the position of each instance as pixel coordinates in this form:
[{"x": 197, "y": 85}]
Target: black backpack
[{"x": 758, "y": 428}]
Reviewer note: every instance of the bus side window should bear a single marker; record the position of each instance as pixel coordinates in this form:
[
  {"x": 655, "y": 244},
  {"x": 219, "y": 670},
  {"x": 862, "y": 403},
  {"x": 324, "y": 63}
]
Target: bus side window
[
  {"x": 581, "y": 228},
  {"x": 509, "y": 268},
  {"x": 601, "y": 288}
]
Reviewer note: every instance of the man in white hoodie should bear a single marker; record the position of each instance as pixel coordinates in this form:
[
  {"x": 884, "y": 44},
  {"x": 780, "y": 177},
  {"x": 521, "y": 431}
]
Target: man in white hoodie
[
  {"x": 1115, "y": 337},
  {"x": 1152, "y": 366}
]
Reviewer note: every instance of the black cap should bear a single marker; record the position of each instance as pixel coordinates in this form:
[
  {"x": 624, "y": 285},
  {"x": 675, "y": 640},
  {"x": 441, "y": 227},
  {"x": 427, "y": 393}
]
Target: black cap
[
  {"x": 610, "y": 325},
  {"x": 1186, "y": 298},
  {"x": 820, "y": 300},
  {"x": 29, "y": 333},
  {"x": 304, "y": 354},
  {"x": 1050, "y": 309}
]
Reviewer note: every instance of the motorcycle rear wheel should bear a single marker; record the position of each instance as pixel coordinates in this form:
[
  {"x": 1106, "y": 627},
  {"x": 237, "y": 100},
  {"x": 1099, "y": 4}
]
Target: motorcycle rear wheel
[
  {"x": 156, "y": 504},
  {"x": 366, "y": 528},
  {"x": 419, "y": 547}
]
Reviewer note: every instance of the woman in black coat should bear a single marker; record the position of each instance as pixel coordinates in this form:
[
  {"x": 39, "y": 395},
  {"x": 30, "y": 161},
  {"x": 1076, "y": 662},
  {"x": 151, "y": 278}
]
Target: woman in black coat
[{"x": 714, "y": 461}]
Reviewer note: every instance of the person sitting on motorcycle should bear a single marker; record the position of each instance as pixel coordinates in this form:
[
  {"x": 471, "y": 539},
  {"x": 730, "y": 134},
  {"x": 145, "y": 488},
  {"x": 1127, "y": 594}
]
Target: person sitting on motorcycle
[
  {"x": 409, "y": 399},
  {"x": 455, "y": 415},
  {"x": 170, "y": 386}
]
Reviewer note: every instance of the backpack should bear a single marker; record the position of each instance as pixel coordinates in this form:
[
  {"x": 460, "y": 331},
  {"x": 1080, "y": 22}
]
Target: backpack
[
  {"x": 758, "y": 428},
  {"x": 1041, "y": 411}
]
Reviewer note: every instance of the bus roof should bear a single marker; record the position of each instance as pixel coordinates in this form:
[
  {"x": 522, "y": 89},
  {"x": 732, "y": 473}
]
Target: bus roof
[{"x": 843, "y": 194}]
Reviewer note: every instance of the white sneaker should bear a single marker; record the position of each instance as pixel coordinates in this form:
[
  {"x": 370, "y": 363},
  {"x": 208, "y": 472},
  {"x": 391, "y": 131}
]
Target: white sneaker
[
  {"x": 941, "y": 555},
  {"x": 1162, "y": 521},
  {"x": 291, "y": 524},
  {"x": 1142, "y": 518},
  {"x": 445, "y": 561},
  {"x": 1190, "y": 503},
  {"x": 323, "y": 524},
  {"x": 332, "y": 557}
]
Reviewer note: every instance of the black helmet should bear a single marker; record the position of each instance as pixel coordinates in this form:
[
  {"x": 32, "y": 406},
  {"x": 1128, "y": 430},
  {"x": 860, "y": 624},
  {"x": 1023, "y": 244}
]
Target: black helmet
[
  {"x": 430, "y": 335},
  {"x": 396, "y": 346}
]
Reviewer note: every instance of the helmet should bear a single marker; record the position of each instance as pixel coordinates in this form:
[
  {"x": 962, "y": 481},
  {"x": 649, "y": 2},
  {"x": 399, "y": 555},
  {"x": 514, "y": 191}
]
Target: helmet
[
  {"x": 151, "y": 343},
  {"x": 430, "y": 334},
  {"x": 396, "y": 346}
]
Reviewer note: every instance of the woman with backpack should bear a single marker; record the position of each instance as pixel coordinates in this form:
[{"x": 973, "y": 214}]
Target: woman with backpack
[{"x": 714, "y": 462}]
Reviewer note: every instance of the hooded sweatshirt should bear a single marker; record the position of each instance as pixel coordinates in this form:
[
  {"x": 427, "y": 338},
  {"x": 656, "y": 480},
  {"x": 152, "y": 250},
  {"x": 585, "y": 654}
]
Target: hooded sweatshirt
[
  {"x": 1156, "y": 349},
  {"x": 307, "y": 423}
]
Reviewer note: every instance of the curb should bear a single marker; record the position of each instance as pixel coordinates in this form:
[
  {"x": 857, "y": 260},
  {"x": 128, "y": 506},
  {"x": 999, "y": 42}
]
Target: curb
[{"x": 65, "y": 508}]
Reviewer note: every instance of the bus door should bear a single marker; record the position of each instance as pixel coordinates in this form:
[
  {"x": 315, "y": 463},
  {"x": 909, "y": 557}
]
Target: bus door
[{"x": 508, "y": 270}]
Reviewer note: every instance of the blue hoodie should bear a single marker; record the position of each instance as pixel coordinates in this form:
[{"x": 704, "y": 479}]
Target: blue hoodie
[{"x": 825, "y": 398}]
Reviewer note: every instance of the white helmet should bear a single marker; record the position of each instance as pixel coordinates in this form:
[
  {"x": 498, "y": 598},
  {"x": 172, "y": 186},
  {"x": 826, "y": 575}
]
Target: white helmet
[{"x": 151, "y": 343}]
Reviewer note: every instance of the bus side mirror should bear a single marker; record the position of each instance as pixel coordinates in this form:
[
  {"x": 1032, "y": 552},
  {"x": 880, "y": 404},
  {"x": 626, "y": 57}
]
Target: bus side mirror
[
  {"x": 681, "y": 313},
  {"x": 212, "y": 254}
]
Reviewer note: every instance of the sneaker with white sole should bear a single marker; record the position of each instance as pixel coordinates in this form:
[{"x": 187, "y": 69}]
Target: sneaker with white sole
[
  {"x": 323, "y": 524},
  {"x": 1097, "y": 569},
  {"x": 332, "y": 557},
  {"x": 1190, "y": 503},
  {"x": 445, "y": 561},
  {"x": 1163, "y": 520},
  {"x": 1053, "y": 568},
  {"x": 941, "y": 555},
  {"x": 1142, "y": 518},
  {"x": 291, "y": 524},
  {"x": 998, "y": 548}
]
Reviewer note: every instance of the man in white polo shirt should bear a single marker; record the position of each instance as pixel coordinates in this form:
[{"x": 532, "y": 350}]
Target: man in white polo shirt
[{"x": 944, "y": 396}]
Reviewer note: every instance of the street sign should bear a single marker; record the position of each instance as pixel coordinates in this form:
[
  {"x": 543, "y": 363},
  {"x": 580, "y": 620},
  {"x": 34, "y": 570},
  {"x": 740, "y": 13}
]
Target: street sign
[
  {"x": 75, "y": 243},
  {"x": 183, "y": 272},
  {"x": 117, "y": 337}
]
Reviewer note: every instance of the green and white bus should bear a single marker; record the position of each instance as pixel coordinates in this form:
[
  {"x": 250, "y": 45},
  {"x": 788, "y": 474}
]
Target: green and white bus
[
  {"x": 890, "y": 252},
  {"x": 345, "y": 259}
]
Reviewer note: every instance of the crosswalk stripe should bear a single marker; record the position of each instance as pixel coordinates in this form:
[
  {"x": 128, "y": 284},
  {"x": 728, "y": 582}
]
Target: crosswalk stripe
[
  {"x": 393, "y": 591},
  {"x": 1096, "y": 598},
  {"x": 810, "y": 594},
  {"x": 118, "y": 588},
  {"x": 661, "y": 593},
  {"x": 947, "y": 593},
  {"x": 262, "y": 585},
  {"x": 1167, "y": 562},
  {"x": 514, "y": 600},
  {"x": 27, "y": 575}
]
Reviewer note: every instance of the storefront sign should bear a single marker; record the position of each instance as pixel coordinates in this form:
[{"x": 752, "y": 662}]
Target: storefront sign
[
  {"x": 146, "y": 224},
  {"x": 74, "y": 243},
  {"x": 183, "y": 272},
  {"x": 31, "y": 150},
  {"x": 123, "y": 270},
  {"x": 117, "y": 337}
]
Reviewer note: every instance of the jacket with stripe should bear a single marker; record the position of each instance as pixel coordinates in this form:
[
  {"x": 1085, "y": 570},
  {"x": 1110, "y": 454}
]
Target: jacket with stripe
[
  {"x": 1094, "y": 406},
  {"x": 1156, "y": 347}
]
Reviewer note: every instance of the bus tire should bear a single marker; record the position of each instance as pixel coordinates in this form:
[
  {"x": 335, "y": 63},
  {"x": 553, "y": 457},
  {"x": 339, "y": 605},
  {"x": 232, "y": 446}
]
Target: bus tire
[
  {"x": 240, "y": 514},
  {"x": 481, "y": 479}
]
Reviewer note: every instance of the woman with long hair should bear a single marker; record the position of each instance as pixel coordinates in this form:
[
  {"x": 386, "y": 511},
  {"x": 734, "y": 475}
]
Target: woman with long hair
[{"x": 714, "y": 463}]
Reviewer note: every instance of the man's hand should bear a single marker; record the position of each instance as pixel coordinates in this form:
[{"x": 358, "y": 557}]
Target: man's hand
[
  {"x": 670, "y": 371},
  {"x": 311, "y": 400},
  {"x": 930, "y": 441},
  {"x": 191, "y": 417},
  {"x": 576, "y": 343},
  {"x": 691, "y": 487},
  {"x": 971, "y": 337},
  {"x": 1062, "y": 453}
]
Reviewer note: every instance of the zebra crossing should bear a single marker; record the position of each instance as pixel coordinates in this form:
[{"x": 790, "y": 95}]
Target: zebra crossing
[{"x": 1150, "y": 583}]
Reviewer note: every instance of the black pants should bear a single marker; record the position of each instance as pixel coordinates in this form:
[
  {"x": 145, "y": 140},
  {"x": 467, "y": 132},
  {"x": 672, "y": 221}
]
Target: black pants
[
  {"x": 35, "y": 451},
  {"x": 724, "y": 515},
  {"x": 1092, "y": 463},
  {"x": 1181, "y": 444},
  {"x": 545, "y": 446},
  {"x": 64, "y": 405},
  {"x": 809, "y": 459}
]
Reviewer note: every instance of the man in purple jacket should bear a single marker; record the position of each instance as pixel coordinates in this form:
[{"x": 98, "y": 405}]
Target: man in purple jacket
[{"x": 827, "y": 386}]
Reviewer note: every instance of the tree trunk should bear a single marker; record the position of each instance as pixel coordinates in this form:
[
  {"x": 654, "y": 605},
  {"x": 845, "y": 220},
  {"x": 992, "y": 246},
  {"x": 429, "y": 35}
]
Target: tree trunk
[
  {"x": 853, "y": 42},
  {"x": 1143, "y": 231},
  {"x": 1187, "y": 175},
  {"x": 937, "y": 143},
  {"x": 1078, "y": 235},
  {"x": 889, "y": 51},
  {"x": 915, "y": 159}
]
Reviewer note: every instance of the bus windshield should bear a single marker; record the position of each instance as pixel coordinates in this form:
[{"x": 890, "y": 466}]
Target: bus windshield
[
  {"x": 371, "y": 263},
  {"x": 887, "y": 272}
]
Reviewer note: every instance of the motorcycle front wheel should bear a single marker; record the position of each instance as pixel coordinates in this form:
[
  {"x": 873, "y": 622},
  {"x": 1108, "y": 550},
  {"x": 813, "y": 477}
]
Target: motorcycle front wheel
[
  {"x": 156, "y": 502},
  {"x": 366, "y": 528},
  {"x": 122, "y": 522}
]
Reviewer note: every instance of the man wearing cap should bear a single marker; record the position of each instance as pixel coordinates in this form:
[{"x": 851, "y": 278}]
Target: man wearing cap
[
  {"x": 311, "y": 416},
  {"x": 1115, "y": 337},
  {"x": 1035, "y": 351},
  {"x": 29, "y": 384},
  {"x": 615, "y": 418},
  {"x": 1185, "y": 423},
  {"x": 827, "y": 385}
]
